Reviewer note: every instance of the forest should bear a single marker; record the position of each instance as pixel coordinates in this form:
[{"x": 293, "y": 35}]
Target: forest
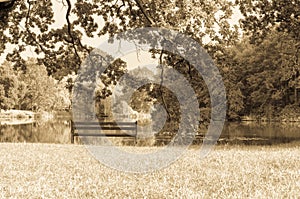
[{"x": 258, "y": 57}]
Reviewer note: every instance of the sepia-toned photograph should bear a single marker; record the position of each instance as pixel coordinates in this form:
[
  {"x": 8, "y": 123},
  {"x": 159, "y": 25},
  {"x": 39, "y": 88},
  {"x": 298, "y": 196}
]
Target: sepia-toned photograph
[{"x": 150, "y": 99}]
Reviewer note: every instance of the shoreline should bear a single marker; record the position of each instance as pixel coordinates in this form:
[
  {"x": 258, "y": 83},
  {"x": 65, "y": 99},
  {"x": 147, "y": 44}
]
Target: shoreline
[
  {"x": 270, "y": 120},
  {"x": 11, "y": 114}
]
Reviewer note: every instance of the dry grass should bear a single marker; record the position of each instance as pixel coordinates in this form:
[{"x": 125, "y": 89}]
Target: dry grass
[{"x": 68, "y": 171}]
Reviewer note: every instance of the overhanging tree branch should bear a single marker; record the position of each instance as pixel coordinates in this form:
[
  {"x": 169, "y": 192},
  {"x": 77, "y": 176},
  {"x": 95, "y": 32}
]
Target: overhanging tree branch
[{"x": 70, "y": 29}]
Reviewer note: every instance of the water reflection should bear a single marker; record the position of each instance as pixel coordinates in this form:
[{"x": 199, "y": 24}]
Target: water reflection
[
  {"x": 58, "y": 131},
  {"x": 261, "y": 129},
  {"x": 54, "y": 131},
  {"x": 260, "y": 132}
]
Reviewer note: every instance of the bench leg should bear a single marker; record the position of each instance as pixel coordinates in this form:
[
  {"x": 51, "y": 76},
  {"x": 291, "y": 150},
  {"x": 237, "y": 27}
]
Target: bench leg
[
  {"x": 72, "y": 138},
  {"x": 72, "y": 132}
]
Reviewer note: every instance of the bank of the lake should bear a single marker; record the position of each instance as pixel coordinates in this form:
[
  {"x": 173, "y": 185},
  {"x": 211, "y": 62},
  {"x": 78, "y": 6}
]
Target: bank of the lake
[
  {"x": 13, "y": 117},
  {"x": 16, "y": 114},
  {"x": 69, "y": 171}
]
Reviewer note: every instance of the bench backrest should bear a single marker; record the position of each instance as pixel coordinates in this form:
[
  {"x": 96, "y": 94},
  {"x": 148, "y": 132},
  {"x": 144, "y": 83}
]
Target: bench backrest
[{"x": 103, "y": 129}]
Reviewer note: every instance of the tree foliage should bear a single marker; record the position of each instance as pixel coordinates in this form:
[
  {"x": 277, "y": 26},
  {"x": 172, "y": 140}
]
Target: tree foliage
[
  {"x": 270, "y": 59},
  {"x": 262, "y": 16},
  {"x": 30, "y": 24},
  {"x": 31, "y": 89},
  {"x": 9, "y": 87},
  {"x": 267, "y": 77}
]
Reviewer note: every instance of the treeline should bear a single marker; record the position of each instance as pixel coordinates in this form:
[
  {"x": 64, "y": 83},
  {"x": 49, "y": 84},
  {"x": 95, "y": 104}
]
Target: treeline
[
  {"x": 263, "y": 80},
  {"x": 30, "y": 88}
]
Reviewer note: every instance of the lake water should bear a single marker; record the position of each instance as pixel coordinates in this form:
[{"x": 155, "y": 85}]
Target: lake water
[
  {"x": 54, "y": 131},
  {"x": 260, "y": 132},
  {"x": 58, "y": 131}
]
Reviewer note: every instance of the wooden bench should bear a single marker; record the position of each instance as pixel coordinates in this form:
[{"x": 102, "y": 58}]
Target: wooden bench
[{"x": 101, "y": 129}]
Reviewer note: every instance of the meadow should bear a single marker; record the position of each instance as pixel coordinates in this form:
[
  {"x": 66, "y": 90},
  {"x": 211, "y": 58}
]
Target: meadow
[{"x": 69, "y": 171}]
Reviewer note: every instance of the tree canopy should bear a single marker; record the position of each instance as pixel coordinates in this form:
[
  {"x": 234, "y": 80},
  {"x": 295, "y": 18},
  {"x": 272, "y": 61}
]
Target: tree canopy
[{"x": 31, "y": 24}]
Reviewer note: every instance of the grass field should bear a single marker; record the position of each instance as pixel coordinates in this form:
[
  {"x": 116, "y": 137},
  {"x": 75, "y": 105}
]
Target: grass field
[{"x": 69, "y": 171}]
